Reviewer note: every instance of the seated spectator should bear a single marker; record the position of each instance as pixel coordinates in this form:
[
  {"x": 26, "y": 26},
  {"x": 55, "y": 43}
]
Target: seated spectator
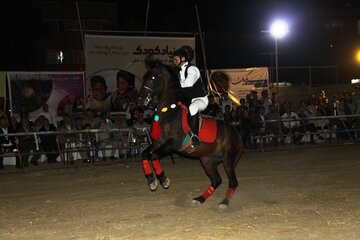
[
  {"x": 49, "y": 113},
  {"x": 306, "y": 127},
  {"x": 90, "y": 118},
  {"x": 7, "y": 143},
  {"x": 105, "y": 138},
  {"x": 80, "y": 143},
  {"x": 274, "y": 124},
  {"x": 290, "y": 124},
  {"x": 78, "y": 107},
  {"x": 260, "y": 126},
  {"x": 120, "y": 137},
  {"x": 91, "y": 145},
  {"x": 140, "y": 120},
  {"x": 49, "y": 142},
  {"x": 149, "y": 114},
  {"x": 142, "y": 128},
  {"x": 68, "y": 139},
  {"x": 27, "y": 144}
]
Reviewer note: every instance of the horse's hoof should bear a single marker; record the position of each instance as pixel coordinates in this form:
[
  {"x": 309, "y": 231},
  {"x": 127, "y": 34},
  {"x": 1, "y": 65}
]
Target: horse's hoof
[
  {"x": 166, "y": 184},
  {"x": 195, "y": 203},
  {"x": 223, "y": 205},
  {"x": 153, "y": 185}
]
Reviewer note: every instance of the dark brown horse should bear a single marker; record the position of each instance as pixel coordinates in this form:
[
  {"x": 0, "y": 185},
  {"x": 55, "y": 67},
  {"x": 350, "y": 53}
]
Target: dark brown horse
[{"x": 161, "y": 83}]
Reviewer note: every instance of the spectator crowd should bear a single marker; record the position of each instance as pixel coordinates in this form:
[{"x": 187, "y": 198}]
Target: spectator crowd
[{"x": 258, "y": 118}]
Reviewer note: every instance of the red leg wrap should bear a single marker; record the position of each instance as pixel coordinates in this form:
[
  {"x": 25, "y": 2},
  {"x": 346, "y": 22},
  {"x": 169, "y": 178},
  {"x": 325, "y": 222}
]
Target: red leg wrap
[
  {"x": 209, "y": 191},
  {"x": 157, "y": 167},
  {"x": 146, "y": 167},
  {"x": 155, "y": 131},
  {"x": 229, "y": 193}
]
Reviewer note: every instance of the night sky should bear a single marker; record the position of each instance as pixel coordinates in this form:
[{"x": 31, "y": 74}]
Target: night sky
[{"x": 232, "y": 29}]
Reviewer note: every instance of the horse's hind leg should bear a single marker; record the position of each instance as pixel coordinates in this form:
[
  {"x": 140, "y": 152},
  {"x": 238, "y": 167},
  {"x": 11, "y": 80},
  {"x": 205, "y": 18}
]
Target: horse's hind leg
[
  {"x": 210, "y": 167},
  {"x": 230, "y": 161}
]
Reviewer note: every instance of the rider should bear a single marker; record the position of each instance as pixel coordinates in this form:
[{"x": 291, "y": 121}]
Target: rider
[{"x": 193, "y": 87}]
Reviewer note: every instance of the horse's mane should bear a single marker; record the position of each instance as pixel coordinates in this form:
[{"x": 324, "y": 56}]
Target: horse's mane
[{"x": 173, "y": 83}]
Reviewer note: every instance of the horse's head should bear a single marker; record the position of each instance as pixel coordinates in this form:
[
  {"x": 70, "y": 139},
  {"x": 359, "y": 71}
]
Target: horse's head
[{"x": 159, "y": 82}]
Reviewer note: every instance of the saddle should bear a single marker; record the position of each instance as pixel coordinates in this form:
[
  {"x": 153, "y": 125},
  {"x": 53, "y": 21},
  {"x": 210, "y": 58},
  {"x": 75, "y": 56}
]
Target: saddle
[
  {"x": 207, "y": 125},
  {"x": 207, "y": 131}
]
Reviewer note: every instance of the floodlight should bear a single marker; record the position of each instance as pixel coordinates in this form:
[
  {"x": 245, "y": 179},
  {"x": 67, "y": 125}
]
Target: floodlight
[{"x": 279, "y": 29}]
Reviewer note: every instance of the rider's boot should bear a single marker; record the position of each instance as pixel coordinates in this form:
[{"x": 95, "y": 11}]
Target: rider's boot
[{"x": 194, "y": 128}]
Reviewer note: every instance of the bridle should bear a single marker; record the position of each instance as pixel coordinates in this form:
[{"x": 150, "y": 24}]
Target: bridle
[{"x": 150, "y": 95}]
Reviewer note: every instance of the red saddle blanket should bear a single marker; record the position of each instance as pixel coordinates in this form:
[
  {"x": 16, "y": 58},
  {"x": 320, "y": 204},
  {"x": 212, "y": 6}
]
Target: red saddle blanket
[{"x": 208, "y": 130}]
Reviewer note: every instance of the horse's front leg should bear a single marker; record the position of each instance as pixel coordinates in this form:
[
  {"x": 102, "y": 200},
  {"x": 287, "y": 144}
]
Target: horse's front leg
[
  {"x": 154, "y": 153},
  {"x": 145, "y": 156},
  {"x": 210, "y": 167}
]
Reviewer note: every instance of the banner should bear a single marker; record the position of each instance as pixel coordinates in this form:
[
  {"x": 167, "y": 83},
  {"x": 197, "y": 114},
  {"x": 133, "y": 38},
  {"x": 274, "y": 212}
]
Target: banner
[
  {"x": 107, "y": 57},
  {"x": 2, "y": 90},
  {"x": 63, "y": 92},
  {"x": 242, "y": 81}
]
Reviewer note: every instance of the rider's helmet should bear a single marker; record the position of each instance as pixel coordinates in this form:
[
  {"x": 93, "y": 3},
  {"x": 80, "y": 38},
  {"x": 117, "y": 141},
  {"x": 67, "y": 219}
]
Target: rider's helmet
[
  {"x": 181, "y": 53},
  {"x": 189, "y": 51}
]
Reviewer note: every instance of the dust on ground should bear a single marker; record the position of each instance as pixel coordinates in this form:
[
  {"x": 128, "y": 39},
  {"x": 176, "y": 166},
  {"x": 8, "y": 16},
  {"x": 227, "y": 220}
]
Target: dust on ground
[{"x": 299, "y": 194}]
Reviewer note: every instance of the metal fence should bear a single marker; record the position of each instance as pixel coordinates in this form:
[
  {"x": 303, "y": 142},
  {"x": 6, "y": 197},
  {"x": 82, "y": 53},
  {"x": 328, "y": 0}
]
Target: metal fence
[
  {"x": 343, "y": 129},
  {"x": 75, "y": 146}
]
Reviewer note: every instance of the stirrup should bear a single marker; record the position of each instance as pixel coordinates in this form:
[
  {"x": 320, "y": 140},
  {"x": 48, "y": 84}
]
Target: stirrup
[{"x": 194, "y": 141}]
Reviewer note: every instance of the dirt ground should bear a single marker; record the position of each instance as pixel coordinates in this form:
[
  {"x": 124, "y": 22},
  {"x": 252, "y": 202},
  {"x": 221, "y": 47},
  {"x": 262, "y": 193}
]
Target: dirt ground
[{"x": 299, "y": 194}]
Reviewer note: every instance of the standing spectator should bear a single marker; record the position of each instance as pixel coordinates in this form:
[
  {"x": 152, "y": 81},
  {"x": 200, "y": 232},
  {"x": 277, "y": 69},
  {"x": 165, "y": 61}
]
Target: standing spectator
[
  {"x": 227, "y": 114},
  {"x": 266, "y": 101},
  {"x": 246, "y": 128},
  {"x": 346, "y": 107},
  {"x": 259, "y": 119},
  {"x": 14, "y": 125},
  {"x": 212, "y": 108}
]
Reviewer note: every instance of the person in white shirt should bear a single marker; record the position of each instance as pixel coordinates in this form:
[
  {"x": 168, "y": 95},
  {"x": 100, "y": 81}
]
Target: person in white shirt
[
  {"x": 290, "y": 122},
  {"x": 195, "y": 93}
]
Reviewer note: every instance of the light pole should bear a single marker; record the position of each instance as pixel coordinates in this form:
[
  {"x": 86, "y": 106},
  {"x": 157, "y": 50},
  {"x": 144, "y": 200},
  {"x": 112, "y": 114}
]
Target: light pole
[{"x": 278, "y": 29}]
